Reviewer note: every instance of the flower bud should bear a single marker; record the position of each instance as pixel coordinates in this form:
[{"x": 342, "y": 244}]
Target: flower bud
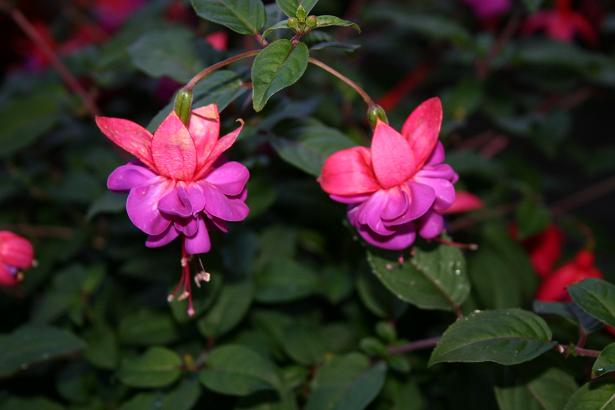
[
  {"x": 183, "y": 105},
  {"x": 311, "y": 21},
  {"x": 293, "y": 23},
  {"x": 375, "y": 113},
  {"x": 301, "y": 13}
]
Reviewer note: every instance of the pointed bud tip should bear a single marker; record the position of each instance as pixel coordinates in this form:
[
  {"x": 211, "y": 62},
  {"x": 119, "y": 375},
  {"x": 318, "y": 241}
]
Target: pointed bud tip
[
  {"x": 376, "y": 113},
  {"x": 183, "y": 105}
]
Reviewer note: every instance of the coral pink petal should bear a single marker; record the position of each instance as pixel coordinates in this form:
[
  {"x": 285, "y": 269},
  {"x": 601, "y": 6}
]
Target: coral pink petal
[
  {"x": 205, "y": 130},
  {"x": 15, "y": 250},
  {"x": 199, "y": 243},
  {"x": 218, "y": 205},
  {"x": 431, "y": 225},
  {"x": 168, "y": 236},
  {"x": 403, "y": 237},
  {"x": 130, "y": 176},
  {"x": 142, "y": 207},
  {"x": 422, "y": 128},
  {"x": 173, "y": 149},
  {"x": 129, "y": 136},
  {"x": 348, "y": 173},
  {"x": 230, "y": 178},
  {"x": 464, "y": 202},
  {"x": 392, "y": 158},
  {"x": 350, "y": 199},
  {"x": 221, "y": 146}
]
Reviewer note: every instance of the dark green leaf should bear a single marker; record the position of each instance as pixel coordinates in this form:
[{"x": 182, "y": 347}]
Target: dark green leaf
[
  {"x": 33, "y": 344},
  {"x": 346, "y": 383},
  {"x": 281, "y": 25},
  {"x": 109, "y": 202},
  {"x": 332, "y": 21},
  {"x": 507, "y": 336},
  {"x": 35, "y": 403},
  {"x": 278, "y": 66},
  {"x": 434, "y": 278},
  {"x": 285, "y": 280},
  {"x": 605, "y": 363},
  {"x": 168, "y": 52},
  {"x": 230, "y": 307},
  {"x": 241, "y": 16},
  {"x": 147, "y": 327},
  {"x": 183, "y": 397},
  {"x": 238, "y": 371},
  {"x": 593, "y": 396},
  {"x": 102, "y": 348},
  {"x": 532, "y": 218},
  {"x": 596, "y": 297},
  {"x": 289, "y": 7},
  {"x": 157, "y": 367}
]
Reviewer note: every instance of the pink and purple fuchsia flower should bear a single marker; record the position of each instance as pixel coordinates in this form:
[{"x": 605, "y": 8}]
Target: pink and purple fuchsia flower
[
  {"x": 399, "y": 186},
  {"x": 180, "y": 186}
]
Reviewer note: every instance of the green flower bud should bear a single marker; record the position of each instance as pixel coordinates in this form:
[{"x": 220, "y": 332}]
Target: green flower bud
[
  {"x": 301, "y": 13},
  {"x": 311, "y": 21},
  {"x": 386, "y": 331},
  {"x": 293, "y": 23},
  {"x": 375, "y": 113},
  {"x": 183, "y": 105}
]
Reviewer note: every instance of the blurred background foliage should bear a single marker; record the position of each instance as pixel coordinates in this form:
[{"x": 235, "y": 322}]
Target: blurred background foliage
[{"x": 293, "y": 316}]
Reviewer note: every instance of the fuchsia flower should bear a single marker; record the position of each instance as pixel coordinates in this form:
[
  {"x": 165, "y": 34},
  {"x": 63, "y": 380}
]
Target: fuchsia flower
[
  {"x": 16, "y": 255},
  {"x": 465, "y": 202},
  {"x": 397, "y": 187},
  {"x": 487, "y": 9},
  {"x": 180, "y": 186},
  {"x": 562, "y": 24},
  {"x": 218, "y": 40}
]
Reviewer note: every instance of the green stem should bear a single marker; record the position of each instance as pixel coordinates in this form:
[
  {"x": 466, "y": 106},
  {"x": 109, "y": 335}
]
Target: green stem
[{"x": 204, "y": 73}]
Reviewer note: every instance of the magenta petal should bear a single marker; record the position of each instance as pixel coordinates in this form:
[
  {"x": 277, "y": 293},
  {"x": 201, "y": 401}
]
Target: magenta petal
[
  {"x": 350, "y": 199},
  {"x": 445, "y": 192},
  {"x": 176, "y": 203},
  {"x": 422, "y": 198},
  {"x": 370, "y": 212},
  {"x": 196, "y": 198},
  {"x": 230, "y": 178},
  {"x": 218, "y": 205},
  {"x": 444, "y": 171},
  {"x": 437, "y": 155},
  {"x": 397, "y": 204},
  {"x": 403, "y": 237},
  {"x": 129, "y": 176},
  {"x": 188, "y": 227},
  {"x": 431, "y": 225},
  {"x": 168, "y": 236},
  {"x": 199, "y": 243},
  {"x": 142, "y": 207}
]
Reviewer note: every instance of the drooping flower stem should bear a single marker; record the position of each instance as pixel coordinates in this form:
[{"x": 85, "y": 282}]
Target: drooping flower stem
[
  {"x": 368, "y": 100},
  {"x": 69, "y": 78},
  {"x": 413, "y": 346},
  {"x": 205, "y": 72}
]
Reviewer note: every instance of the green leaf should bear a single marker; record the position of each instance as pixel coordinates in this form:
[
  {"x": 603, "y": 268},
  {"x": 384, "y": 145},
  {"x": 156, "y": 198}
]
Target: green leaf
[
  {"x": 34, "y": 403},
  {"x": 332, "y": 21},
  {"x": 109, "y": 202},
  {"x": 378, "y": 300},
  {"x": 593, "y": 395},
  {"x": 238, "y": 371},
  {"x": 157, "y": 367},
  {"x": 146, "y": 328},
  {"x": 168, "y": 52},
  {"x": 507, "y": 336},
  {"x": 183, "y": 397},
  {"x": 285, "y": 280},
  {"x": 25, "y": 119},
  {"x": 33, "y": 344},
  {"x": 532, "y": 218},
  {"x": 314, "y": 144},
  {"x": 346, "y": 383},
  {"x": 289, "y": 7},
  {"x": 241, "y": 16},
  {"x": 281, "y": 25},
  {"x": 605, "y": 363},
  {"x": 278, "y": 66},
  {"x": 596, "y": 297},
  {"x": 547, "y": 389},
  {"x": 230, "y": 307},
  {"x": 102, "y": 348},
  {"x": 435, "y": 278}
]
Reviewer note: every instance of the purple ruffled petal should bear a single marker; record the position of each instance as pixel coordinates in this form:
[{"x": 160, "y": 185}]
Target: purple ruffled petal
[
  {"x": 142, "y": 207},
  {"x": 350, "y": 200},
  {"x": 445, "y": 192},
  {"x": 431, "y": 225},
  {"x": 199, "y": 243},
  {"x": 129, "y": 176},
  {"x": 230, "y": 178},
  {"x": 437, "y": 155},
  {"x": 218, "y": 205},
  {"x": 443, "y": 171},
  {"x": 176, "y": 203},
  {"x": 403, "y": 237},
  {"x": 188, "y": 226},
  {"x": 397, "y": 204},
  {"x": 169, "y": 235}
]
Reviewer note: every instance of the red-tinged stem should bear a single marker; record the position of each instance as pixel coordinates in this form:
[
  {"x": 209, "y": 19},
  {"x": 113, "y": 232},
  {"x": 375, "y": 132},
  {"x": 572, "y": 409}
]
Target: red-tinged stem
[
  {"x": 483, "y": 66},
  {"x": 413, "y": 346},
  {"x": 584, "y": 196},
  {"x": 71, "y": 81},
  {"x": 468, "y": 246},
  {"x": 207, "y": 71},
  {"x": 392, "y": 98},
  {"x": 368, "y": 100},
  {"x": 261, "y": 40},
  {"x": 576, "y": 351}
]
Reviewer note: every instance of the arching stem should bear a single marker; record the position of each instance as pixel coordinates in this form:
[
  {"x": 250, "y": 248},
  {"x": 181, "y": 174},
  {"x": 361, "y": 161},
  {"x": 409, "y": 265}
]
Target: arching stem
[
  {"x": 368, "y": 100},
  {"x": 207, "y": 71}
]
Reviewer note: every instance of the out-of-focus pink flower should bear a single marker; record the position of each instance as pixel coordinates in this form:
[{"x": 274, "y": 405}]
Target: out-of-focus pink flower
[
  {"x": 16, "y": 255},
  {"x": 487, "y": 9},
  {"x": 397, "y": 187},
  {"x": 562, "y": 24},
  {"x": 464, "y": 202},
  {"x": 180, "y": 186},
  {"x": 545, "y": 249},
  {"x": 553, "y": 287},
  {"x": 392, "y": 98},
  {"x": 218, "y": 40},
  {"x": 113, "y": 13}
]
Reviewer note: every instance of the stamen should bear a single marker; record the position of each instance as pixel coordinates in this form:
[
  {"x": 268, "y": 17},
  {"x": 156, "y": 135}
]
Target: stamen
[{"x": 201, "y": 277}]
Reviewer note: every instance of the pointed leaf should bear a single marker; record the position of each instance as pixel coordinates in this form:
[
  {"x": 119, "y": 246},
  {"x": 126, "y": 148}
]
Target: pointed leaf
[
  {"x": 158, "y": 367},
  {"x": 241, "y": 16},
  {"x": 593, "y": 395},
  {"x": 332, "y": 21},
  {"x": 289, "y": 7},
  {"x": 276, "y": 67},
  {"x": 596, "y": 297},
  {"x": 605, "y": 363}
]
